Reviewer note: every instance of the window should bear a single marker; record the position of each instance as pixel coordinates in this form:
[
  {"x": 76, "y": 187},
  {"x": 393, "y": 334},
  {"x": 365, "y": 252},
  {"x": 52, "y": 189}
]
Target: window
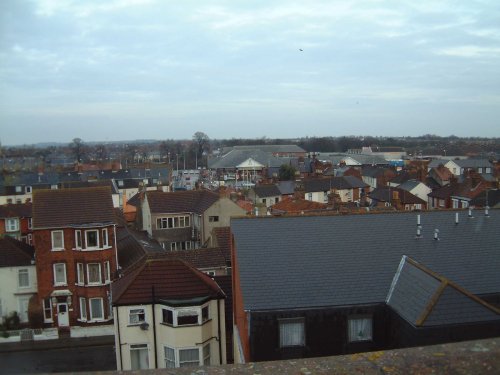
[
  {"x": 181, "y": 245},
  {"x": 91, "y": 239},
  {"x": 172, "y": 222},
  {"x": 105, "y": 239},
  {"x": 83, "y": 309},
  {"x": 80, "y": 274},
  {"x": 263, "y": 200},
  {"x": 19, "y": 189},
  {"x": 292, "y": 332},
  {"x": 139, "y": 358},
  {"x": 206, "y": 355},
  {"x": 106, "y": 272},
  {"x": 57, "y": 240},
  {"x": 23, "y": 278},
  {"x": 47, "y": 310},
  {"x": 213, "y": 219},
  {"x": 78, "y": 239},
  {"x": 310, "y": 196},
  {"x": 205, "y": 314},
  {"x": 360, "y": 329},
  {"x": 28, "y": 189},
  {"x": 120, "y": 183},
  {"x": 94, "y": 273},
  {"x": 96, "y": 309},
  {"x": 189, "y": 357},
  {"x": 186, "y": 317},
  {"x": 167, "y": 316},
  {"x": 53, "y": 187},
  {"x": 169, "y": 357},
  {"x": 12, "y": 225},
  {"x": 60, "y": 274},
  {"x": 136, "y": 316}
]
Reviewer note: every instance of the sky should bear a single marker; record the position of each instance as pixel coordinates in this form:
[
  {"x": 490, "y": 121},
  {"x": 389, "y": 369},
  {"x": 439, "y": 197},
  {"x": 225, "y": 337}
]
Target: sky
[{"x": 159, "y": 69}]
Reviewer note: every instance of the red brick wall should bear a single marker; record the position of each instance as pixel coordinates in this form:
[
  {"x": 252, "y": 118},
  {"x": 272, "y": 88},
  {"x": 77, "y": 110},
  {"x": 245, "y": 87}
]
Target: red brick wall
[{"x": 45, "y": 258}]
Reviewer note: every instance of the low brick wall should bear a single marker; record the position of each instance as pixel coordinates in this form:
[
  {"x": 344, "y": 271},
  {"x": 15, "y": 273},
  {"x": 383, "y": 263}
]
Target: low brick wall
[{"x": 469, "y": 357}]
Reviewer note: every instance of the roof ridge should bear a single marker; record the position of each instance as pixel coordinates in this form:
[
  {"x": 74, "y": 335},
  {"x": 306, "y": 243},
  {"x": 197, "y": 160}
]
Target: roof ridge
[
  {"x": 132, "y": 275},
  {"x": 203, "y": 277}
]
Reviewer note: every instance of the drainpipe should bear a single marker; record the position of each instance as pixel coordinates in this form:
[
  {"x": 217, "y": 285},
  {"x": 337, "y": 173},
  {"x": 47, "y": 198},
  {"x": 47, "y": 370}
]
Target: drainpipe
[
  {"x": 116, "y": 247},
  {"x": 154, "y": 326},
  {"x": 218, "y": 331},
  {"x": 119, "y": 337}
]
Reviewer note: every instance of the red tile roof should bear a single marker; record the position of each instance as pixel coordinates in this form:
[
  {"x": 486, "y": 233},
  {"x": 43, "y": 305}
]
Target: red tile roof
[
  {"x": 298, "y": 205},
  {"x": 223, "y": 237},
  {"x": 16, "y": 210},
  {"x": 67, "y": 207},
  {"x": 203, "y": 258},
  {"x": 197, "y": 201},
  {"x": 15, "y": 253},
  {"x": 171, "y": 279}
]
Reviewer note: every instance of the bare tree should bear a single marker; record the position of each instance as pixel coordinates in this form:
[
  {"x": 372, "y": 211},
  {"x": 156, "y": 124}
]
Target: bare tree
[
  {"x": 78, "y": 148},
  {"x": 202, "y": 144}
]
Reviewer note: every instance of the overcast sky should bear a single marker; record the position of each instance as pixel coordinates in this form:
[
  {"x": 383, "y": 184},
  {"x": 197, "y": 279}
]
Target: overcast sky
[{"x": 158, "y": 69}]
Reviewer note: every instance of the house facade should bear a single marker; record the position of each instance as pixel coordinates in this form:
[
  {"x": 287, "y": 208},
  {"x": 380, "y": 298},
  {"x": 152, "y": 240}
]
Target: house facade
[
  {"x": 347, "y": 188},
  {"x": 16, "y": 221},
  {"x": 17, "y": 278},
  {"x": 183, "y": 220},
  {"x": 168, "y": 315},
  {"x": 355, "y": 293},
  {"x": 74, "y": 233}
]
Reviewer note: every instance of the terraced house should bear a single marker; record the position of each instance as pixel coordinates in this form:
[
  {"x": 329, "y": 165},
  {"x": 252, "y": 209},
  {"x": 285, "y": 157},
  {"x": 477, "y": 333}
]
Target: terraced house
[{"x": 75, "y": 248}]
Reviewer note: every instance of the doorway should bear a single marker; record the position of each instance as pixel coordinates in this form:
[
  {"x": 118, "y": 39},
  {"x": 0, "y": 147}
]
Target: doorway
[{"x": 62, "y": 315}]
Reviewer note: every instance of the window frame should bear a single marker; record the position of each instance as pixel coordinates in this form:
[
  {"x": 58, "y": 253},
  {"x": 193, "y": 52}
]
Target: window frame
[
  {"x": 83, "y": 308},
  {"x": 86, "y": 239},
  {"x": 139, "y": 347},
  {"x": 190, "y": 349},
  {"x": 80, "y": 274},
  {"x": 139, "y": 312},
  {"x": 92, "y": 318},
  {"x": 12, "y": 224},
  {"x": 59, "y": 283},
  {"x": 105, "y": 238},
  {"x": 107, "y": 272},
  {"x": 78, "y": 239},
  {"x": 286, "y": 321},
  {"x": 357, "y": 318},
  {"x": 52, "y": 234},
  {"x": 173, "y": 222},
  {"x": 213, "y": 219},
  {"x": 47, "y": 309},
  {"x": 174, "y": 313},
  {"x": 89, "y": 282},
  {"x": 23, "y": 272}
]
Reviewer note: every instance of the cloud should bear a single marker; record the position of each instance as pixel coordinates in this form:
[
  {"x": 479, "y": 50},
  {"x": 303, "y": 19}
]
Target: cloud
[
  {"x": 49, "y": 8},
  {"x": 470, "y": 51}
]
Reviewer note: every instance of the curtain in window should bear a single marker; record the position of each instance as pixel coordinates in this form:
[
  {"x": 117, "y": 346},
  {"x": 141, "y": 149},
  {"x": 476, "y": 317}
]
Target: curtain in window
[
  {"x": 94, "y": 273},
  {"x": 292, "y": 333},
  {"x": 139, "y": 357},
  {"x": 360, "y": 329},
  {"x": 96, "y": 308},
  {"x": 189, "y": 357}
]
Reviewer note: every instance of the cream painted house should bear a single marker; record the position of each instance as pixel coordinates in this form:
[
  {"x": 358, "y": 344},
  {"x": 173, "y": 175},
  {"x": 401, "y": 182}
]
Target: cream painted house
[
  {"x": 17, "y": 277},
  {"x": 168, "y": 314}
]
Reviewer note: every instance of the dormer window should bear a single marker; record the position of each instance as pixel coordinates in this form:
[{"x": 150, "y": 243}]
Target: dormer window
[{"x": 28, "y": 189}]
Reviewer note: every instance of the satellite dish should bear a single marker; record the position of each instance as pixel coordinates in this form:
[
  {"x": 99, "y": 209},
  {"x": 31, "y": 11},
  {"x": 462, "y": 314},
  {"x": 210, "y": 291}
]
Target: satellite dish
[{"x": 144, "y": 326}]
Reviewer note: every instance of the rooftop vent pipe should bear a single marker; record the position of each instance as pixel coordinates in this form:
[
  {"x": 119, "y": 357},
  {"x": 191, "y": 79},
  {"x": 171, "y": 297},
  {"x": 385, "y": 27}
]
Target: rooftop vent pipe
[
  {"x": 487, "y": 211},
  {"x": 436, "y": 234},
  {"x": 419, "y": 228},
  {"x": 470, "y": 213},
  {"x": 456, "y": 218}
]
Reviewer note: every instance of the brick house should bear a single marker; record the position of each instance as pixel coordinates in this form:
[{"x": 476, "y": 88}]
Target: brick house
[
  {"x": 15, "y": 221},
  {"x": 74, "y": 233}
]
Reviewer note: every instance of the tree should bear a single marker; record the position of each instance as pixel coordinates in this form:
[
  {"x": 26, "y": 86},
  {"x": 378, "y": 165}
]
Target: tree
[
  {"x": 286, "y": 172},
  {"x": 202, "y": 143},
  {"x": 78, "y": 148}
]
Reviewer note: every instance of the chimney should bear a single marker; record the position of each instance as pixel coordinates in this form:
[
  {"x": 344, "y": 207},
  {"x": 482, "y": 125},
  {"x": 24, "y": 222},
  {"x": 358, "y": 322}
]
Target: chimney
[
  {"x": 436, "y": 234},
  {"x": 419, "y": 228}
]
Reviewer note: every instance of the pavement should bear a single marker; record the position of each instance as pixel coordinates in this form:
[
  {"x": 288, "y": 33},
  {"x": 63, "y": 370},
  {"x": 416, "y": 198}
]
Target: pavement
[{"x": 67, "y": 342}]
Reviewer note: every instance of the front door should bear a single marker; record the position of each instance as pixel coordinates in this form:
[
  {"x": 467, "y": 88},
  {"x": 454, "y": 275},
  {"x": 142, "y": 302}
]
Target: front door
[{"x": 62, "y": 315}]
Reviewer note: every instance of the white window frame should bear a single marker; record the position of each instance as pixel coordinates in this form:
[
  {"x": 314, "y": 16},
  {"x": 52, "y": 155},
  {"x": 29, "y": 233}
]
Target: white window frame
[
  {"x": 105, "y": 238},
  {"x": 59, "y": 283},
  {"x": 21, "y": 274},
  {"x": 172, "y": 222},
  {"x": 191, "y": 362},
  {"x": 47, "y": 309},
  {"x": 297, "y": 323},
  {"x": 351, "y": 329},
  {"x": 176, "y": 312},
  {"x": 107, "y": 272},
  {"x": 87, "y": 232},
  {"x": 206, "y": 350},
  {"x": 28, "y": 189},
  {"x": 92, "y": 317},
  {"x": 83, "y": 309},
  {"x": 213, "y": 218},
  {"x": 137, "y": 347},
  {"x": 169, "y": 361},
  {"x": 54, "y": 247},
  {"x": 80, "y": 274},
  {"x": 136, "y": 316},
  {"x": 78, "y": 239},
  {"x": 89, "y": 281},
  {"x": 12, "y": 224}
]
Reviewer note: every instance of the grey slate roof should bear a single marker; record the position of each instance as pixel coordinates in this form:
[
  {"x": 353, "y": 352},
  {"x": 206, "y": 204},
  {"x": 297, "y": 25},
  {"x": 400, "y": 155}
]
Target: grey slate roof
[
  {"x": 434, "y": 163},
  {"x": 340, "y": 183},
  {"x": 409, "y": 185},
  {"x": 264, "y": 191},
  {"x": 473, "y": 163},
  {"x": 369, "y": 159},
  {"x": 268, "y": 148},
  {"x": 423, "y": 298},
  {"x": 236, "y": 157},
  {"x": 313, "y": 261},
  {"x": 286, "y": 187}
]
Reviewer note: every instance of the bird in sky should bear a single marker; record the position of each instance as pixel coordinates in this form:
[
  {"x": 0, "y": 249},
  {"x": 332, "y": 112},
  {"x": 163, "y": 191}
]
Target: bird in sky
[{"x": 300, "y": 49}]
